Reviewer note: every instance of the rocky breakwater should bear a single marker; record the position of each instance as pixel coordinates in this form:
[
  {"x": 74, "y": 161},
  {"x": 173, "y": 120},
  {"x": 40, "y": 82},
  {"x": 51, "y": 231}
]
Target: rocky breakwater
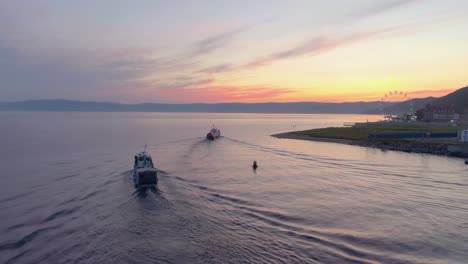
[{"x": 405, "y": 145}]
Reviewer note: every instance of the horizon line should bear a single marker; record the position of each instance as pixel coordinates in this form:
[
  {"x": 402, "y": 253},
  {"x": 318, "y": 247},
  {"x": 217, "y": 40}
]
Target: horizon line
[{"x": 193, "y": 103}]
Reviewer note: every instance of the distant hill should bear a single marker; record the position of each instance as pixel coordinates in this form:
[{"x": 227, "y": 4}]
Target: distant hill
[
  {"x": 299, "y": 107},
  {"x": 405, "y": 107},
  {"x": 457, "y": 99},
  {"x": 451, "y": 106}
]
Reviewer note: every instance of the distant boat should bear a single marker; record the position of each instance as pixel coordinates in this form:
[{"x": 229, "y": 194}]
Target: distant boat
[
  {"x": 213, "y": 134},
  {"x": 144, "y": 172}
]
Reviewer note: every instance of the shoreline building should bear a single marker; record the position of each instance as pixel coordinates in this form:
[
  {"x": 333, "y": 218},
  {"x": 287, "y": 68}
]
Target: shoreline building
[{"x": 434, "y": 113}]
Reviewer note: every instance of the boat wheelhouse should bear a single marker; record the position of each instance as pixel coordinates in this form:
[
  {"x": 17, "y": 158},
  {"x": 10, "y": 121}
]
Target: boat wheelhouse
[{"x": 144, "y": 172}]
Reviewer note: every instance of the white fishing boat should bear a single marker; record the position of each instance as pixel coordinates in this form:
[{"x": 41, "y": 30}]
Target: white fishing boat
[{"x": 144, "y": 172}]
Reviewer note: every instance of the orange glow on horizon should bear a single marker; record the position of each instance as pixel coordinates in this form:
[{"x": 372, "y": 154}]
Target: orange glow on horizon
[{"x": 259, "y": 94}]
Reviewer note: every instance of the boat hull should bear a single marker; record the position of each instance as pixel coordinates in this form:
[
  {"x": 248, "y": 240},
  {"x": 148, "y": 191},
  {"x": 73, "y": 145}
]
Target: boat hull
[
  {"x": 213, "y": 136},
  {"x": 210, "y": 136},
  {"x": 145, "y": 177}
]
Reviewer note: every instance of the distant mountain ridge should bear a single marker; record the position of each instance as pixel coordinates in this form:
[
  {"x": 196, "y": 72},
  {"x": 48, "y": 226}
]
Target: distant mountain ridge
[
  {"x": 297, "y": 107},
  {"x": 457, "y": 99},
  {"x": 405, "y": 107}
]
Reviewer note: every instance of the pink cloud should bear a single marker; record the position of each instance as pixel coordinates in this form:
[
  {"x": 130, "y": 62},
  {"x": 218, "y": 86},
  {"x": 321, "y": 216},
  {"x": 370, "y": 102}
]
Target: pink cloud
[
  {"x": 217, "y": 94},
  {"x": 317, "y": 46},
  {"x": 428, "y": 93}
]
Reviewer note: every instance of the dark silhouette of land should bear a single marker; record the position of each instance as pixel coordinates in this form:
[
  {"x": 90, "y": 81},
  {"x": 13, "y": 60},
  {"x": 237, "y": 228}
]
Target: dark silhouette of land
[
  {"x": 457, "y": 99},
  {"x": 298, "y": 107}
]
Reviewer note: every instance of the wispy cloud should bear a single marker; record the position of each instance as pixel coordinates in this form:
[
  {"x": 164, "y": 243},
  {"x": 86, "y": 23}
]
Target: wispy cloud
[
  {"x": 428, "y": 93},
  {"x": 72, "y": 72},
  {"x": 182, "y": 82},
  {"x": 221, "y": 94},
  {"x": 213, "y": 43},
  {"x": 187, "y": 60},
  {"x": 314, "y": 46},
  {"x": 218, "y": 68},
  {"x": 317, "y": 46},
  {"x": 381, "y": 8}
]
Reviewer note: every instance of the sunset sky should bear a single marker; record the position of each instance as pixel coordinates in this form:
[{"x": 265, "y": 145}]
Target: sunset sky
[{"x": 231, "y": 51}]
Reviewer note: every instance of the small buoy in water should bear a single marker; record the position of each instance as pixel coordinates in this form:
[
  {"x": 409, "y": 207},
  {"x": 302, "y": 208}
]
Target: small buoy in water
[{"x": 255, "y": 166}]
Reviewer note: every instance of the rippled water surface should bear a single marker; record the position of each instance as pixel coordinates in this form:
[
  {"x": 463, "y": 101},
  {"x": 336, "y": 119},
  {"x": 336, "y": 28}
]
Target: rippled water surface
[{"x": 66, "y": 194}]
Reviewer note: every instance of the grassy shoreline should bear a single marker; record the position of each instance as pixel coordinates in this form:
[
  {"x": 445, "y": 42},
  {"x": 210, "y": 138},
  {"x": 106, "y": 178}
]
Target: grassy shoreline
[{"x": 360, "y": 136}]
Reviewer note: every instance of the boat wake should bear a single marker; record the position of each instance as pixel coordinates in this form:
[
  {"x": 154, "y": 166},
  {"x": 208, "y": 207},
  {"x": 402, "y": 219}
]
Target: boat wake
[{"x": 299, "y": 207}]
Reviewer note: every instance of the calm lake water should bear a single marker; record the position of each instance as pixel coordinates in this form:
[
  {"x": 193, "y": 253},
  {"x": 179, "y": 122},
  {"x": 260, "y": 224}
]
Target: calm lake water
[{"x": 66, "y": 194}]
